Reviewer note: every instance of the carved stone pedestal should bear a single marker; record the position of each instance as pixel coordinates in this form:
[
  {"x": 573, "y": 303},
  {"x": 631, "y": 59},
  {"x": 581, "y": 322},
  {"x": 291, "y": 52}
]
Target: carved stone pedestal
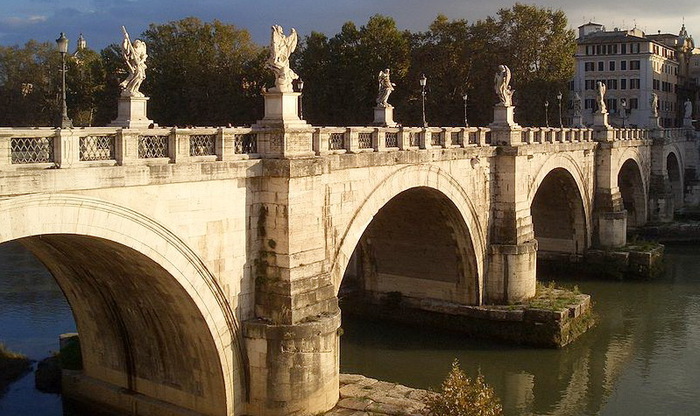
[
  {"x": 600, "y": 119},
  {"x": 654, "y": 122},
  {"x": 281, "y": 109},
  {"x": 131, "y": 113},
  {"x": 577, "y": 122},
  {"x": 384, "y": 116},
  {"x": 688, "y": 123},
  {"x": 503, "y": 116}
]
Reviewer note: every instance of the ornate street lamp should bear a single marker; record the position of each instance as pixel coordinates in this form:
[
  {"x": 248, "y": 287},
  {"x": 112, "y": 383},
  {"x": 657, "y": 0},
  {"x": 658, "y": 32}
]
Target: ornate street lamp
[
  {"x": 546, "y": 113},
  {"x": 561, "y": 123},
  {"x": 300, "y": 85},
  {"x": 464, "y": 97},
  {"x": 623, "y": 103},
  {"x": 423, "y": 82},
  {"x": 62, "y": 43}
]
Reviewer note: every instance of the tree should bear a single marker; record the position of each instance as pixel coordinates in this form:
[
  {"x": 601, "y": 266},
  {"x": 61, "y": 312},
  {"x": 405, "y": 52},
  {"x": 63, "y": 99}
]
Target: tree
[
  {"x": 341, "y": 72},
  {"x": 85, "y": 86},
  {"x": 460, "y": 396},
  {"x": 29, "y": 84},
  {"x": 203, "y": 73}
]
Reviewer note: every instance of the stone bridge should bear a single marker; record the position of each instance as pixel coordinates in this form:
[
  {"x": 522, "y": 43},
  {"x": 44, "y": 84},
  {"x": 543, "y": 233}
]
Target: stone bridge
[{"x": 203, "y": 265}]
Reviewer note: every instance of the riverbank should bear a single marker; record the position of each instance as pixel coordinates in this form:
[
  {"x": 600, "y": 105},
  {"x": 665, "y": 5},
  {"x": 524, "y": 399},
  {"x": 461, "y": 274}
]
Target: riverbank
[
  {"x": 360, "y": 395},
  {"x": 12, "y": 367}
]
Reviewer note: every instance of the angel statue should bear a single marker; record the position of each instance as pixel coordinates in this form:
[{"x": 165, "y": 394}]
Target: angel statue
[
  {"x": 281, "y": 47},
  {"x": 385, "y": 88},
  {"x": 135, "y": 57},
  {"x": 577, "y": 104},
  {"x": 600, "y": 97},
  {"x": 502, "y": 81},
  {"x": 654, "y": 104},
  {"x": 688, "y": 109}
]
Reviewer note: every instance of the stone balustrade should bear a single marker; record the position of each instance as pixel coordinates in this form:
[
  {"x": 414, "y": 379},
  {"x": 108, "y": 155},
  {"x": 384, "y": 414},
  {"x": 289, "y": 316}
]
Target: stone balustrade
[{"x": 42, "y": 148}]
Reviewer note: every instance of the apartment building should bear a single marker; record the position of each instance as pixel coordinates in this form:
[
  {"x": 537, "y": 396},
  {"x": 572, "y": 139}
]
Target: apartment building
[{"x": 634, "y": 65}]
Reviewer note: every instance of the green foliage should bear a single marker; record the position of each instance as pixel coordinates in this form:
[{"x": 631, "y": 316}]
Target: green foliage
[
  {"x": 460, "y": 396},
  {"x": 203, "y": 73},
  {"x": 551, "y": 298}
]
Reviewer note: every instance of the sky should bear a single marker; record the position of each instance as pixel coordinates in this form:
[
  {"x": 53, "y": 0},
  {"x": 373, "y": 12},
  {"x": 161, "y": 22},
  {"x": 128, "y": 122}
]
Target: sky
[{"x": 100, "y": 21}]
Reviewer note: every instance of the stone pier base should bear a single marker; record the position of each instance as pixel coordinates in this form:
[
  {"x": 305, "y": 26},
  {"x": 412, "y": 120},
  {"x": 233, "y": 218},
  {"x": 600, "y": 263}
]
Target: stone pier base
[
  {"x": 612, "y": 229},
  {"x": 293, "y": 368},
  {"x": 131, "y": 113},
  {"x": 513, "y": 272}
]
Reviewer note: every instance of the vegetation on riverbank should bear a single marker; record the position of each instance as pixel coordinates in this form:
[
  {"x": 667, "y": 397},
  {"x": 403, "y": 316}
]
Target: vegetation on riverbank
[
  {"x": 12, "y": 366},
  {"x": 462, "y": 396}
]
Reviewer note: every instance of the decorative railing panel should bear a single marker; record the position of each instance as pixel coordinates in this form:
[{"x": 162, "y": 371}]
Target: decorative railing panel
[
  {"x": 435, "y": 139},
  {"x": 473, "y": 137},
  {"x": 456, "y": 138},
  {"x": 246, "y": 143},
  {"x": 31, "y": 150},
  {"x": 364, "y": 140},
  {"x": 151, "y": 147},
  {"x": 392, "y": 139},
  {"x": 96, "y": 147},
  {"x": 203, "y": 144},
  {"x": 413, "y": 139},
  {"x": 336, "y": 141}
]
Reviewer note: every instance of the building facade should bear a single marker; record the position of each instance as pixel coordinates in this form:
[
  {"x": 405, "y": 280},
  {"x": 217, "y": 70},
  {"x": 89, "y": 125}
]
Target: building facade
[{"x": 634, "y": 66}]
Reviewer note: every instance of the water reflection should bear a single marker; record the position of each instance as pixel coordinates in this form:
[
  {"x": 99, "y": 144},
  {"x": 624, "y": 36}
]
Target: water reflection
[
  {"x": 635, "y": 361},
  {"x": 641, "y": 358}
]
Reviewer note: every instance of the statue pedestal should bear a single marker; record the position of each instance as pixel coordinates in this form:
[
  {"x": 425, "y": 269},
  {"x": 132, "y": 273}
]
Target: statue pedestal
[
  {"x": 503, "y": 116},
  {"x": 131, "y": 113},
  {"x": 688, "y": 123},
  {"x": 281, "y": 110},
  {"x": 654, "y": 122},
  {"x": 384, "y": 116},
  {"x": 600, "y": 119},
  {"x": 577, "y": 122}
]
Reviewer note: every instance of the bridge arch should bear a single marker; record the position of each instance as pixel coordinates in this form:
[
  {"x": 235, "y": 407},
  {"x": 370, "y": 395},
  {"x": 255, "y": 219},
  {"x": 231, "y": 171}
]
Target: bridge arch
[
  {"x": 151, "y": 317},
  {"x": 633, "y": 190},
  {"x": 674, "y": 170},
  {"x": 441, "y": 195},
  {"x": 560, "y": 205}
]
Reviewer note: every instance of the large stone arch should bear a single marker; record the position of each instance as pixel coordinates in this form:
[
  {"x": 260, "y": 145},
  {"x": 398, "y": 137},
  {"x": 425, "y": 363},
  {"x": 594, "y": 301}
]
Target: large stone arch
[
  {"x": 567, "y": 168},
  {"x": 120, "y": 269},
  {"x": 405, "y": 179}
]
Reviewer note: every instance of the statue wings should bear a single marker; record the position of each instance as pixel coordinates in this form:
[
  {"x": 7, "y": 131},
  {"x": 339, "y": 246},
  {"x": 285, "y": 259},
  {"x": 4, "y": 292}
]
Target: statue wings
[{"x": 283, "y": 46}]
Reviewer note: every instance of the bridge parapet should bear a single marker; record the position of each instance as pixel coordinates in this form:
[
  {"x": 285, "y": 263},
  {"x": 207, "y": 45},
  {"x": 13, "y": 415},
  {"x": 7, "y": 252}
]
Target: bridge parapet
[
  {"x": 338, "y": 140},
  {"x": 42, "y": 148}
]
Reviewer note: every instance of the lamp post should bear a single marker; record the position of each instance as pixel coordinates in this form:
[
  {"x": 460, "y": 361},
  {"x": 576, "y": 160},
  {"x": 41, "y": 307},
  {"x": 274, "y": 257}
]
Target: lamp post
[
  {"x": 300, "y": 85},
  {"x": 546, "y": 113},
  {"x": 623, "y": 103},
  {"x": 464, "y": 97},
  {"x": 62, "y": 43},
  {"x": 561, "y": 123},
  {"x": 423, "y": 82}
]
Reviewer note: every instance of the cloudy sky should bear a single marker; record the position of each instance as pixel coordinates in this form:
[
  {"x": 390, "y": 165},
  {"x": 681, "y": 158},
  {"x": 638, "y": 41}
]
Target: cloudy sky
[{"x": 100, "y": 20}]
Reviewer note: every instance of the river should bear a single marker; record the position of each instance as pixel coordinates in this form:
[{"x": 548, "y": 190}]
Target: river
[{"x": 642, "y": 358}]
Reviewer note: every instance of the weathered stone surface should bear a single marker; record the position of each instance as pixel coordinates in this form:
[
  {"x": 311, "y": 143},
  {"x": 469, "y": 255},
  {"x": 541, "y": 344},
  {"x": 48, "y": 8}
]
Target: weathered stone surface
[{"x": 363, "y": 394}]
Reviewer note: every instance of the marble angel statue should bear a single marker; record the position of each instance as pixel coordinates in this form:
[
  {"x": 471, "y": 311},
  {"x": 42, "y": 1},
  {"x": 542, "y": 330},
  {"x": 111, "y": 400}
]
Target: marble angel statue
[
  {"x": 281, "y": 47},
  {"x": 134, "y": 54},
  {"x": 502, "y": 86},
  {"x": 600, "y": 97},
  {"x": 385, "y": 88}
]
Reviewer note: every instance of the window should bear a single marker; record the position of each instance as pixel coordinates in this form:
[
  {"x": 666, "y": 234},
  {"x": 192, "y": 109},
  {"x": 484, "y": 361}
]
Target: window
[
  {"x": 623, "y": 65},
  {"x": 634, "y": 65},
  {"x": 623, "y": 84},
  {"x": 623, "y": 48},
  {"x": 611, "y": 65},
  {"x": 634, "y": 103},
  {"x": 597, "y": 49},
  {"x": 611, "y": 84},
  {"x": 590, "y": 84},
  {"x": 589, "y": 103},
  {"x": 590, "y": 66},
  {"x": 611, "y": 103},
  {"x": 601, "y": 66},
  {"x": 634, "y": 83},
  {"x": 655, "y": 84},
  {"x": 634, "y": 48}
]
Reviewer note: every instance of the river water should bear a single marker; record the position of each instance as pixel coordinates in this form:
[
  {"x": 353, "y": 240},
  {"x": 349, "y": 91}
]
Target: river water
[{"x": 642, "y": 358}]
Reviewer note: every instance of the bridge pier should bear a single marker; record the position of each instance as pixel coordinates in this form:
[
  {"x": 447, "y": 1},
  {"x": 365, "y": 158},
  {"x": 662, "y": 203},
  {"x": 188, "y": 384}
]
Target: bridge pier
[
  {"x": 512, "y": 254},
  {"x": 610, "y": 214}
]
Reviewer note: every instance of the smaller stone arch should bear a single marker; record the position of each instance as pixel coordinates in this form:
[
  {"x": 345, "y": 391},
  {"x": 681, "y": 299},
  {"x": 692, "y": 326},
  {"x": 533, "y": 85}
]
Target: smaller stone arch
[
  {"x": 568, "y": 169},
  {"x": 77, "y": 238},
  {"x": 436, "y": 182},
  {"x": 674, "y": 172},
  {"x": 633, "y": 190}
]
